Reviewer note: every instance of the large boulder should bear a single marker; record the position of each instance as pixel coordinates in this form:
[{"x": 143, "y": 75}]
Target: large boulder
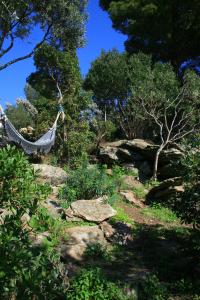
[
  {"x": 53, "y": 175},
  {"x": 166, "y": 191},
  {"x": 140, "y": 154},
  {"x": 108, "y": 154},
  {"x": 92, "y": 210},
  {"x": 78, "y": 239}
]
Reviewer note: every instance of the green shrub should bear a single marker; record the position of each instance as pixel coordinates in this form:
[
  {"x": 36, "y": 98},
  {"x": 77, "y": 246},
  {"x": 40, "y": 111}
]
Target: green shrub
[
  {"x": 96, "y": 251},
  {"x": 19, "y": 191},
  {"x": 86, "y": 183},
  {"x": 78, "y": 143},
  {"x": 187, "y": 205},
  {"x": 91, "y": 284},
  {"x": 25, "y": 271},
  {"x": 152, "y": 288}
]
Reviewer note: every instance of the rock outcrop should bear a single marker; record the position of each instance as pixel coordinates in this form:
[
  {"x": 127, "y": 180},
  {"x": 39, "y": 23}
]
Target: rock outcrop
[
  {"x": 91, "y": 210},
  {"x": 78, "y": 239},
  {"x": 50, "y": 174},
  {"x": 140, "y": 154},
  {"x": 165, "y": 191},
  {"x": 130, "y": 197}
]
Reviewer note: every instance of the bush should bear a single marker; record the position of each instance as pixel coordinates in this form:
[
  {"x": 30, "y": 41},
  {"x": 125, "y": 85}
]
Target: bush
[
  {"x": 91, "y": 284},
  {"x": 78, "y": 143},
  {"x": 151, "y": 288},
  {"x": 96, "y": 251},
  {"x": 187, "y": 206},
  {"x": 25, "y": 271},
  {"x": 87, "y": 183}
]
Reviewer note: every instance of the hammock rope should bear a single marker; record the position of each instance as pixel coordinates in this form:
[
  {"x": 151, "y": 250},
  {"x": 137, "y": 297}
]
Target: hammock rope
[{"x": 42, "y": 145}]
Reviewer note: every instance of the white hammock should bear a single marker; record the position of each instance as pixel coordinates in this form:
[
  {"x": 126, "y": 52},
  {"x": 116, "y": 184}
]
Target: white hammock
[{"x": 42, "y": 145}]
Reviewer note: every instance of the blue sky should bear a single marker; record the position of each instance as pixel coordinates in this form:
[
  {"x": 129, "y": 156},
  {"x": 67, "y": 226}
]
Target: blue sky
[{"x": 99, "y": 35}]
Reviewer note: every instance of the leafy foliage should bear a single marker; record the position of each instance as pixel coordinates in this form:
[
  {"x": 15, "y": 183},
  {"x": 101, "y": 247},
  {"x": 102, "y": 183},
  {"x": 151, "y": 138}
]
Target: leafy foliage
[
  {"x": 61, "y": 22},
  {"x": 87, "y": 183},
  {"x": 25, "y": 271},
  {"x": 108, "y": 79},
  {"x": 92, "y": 284},
  {"x": 167, "y": 29},
  {"x": 19, "y": 116},
  {"x": 187, "y": 206},
  {"x": 153, "y": 288}
]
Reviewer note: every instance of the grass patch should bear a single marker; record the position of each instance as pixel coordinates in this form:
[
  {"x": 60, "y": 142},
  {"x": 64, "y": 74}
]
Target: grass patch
[
  {"x": 140, "y": 192},
  {"x": 121, "y": 216},
  {"x": 78, "y": 223},
  {"x": 160, "y": 213}
]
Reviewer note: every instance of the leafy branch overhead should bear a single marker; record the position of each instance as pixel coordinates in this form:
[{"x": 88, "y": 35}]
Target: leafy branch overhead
[
  {"x": 61, "y": 23},
  {"x": 169, "y": 30}
]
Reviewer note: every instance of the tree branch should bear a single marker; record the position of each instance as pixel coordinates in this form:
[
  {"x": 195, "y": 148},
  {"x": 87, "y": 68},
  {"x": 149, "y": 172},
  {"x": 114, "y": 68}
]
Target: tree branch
[
  {"x": 29, "y": 54},
  {"x": 3, "y": 52}
]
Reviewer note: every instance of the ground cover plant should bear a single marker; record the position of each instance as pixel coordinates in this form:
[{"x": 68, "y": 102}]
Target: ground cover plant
[
  {"x": 25, "y": 271},
  {"x": 87, "y": 182}
]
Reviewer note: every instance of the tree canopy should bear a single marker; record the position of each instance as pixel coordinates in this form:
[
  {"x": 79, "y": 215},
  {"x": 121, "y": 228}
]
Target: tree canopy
[
  {"x": 167, "y": 29},
  {"x": 61, "y": 21}
]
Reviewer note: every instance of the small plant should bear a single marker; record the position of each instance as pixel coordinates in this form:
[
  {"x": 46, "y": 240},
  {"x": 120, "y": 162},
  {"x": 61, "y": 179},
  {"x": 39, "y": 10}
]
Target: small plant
[
  {"x": 118, "y": 174},
  {"x": 140, "y": 192},
  {"x": 153, "y": 289},
  {"x": 96, "y": 251},
  {"x": 91, "y": 284},
  {"x": 86, "y": 183}
]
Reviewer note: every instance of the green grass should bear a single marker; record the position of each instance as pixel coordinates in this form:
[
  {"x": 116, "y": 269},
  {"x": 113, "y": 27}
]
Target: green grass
[
  {"x": 121, "y": 216},
  {"x": 140, "y": 192},
  {"x": 160, "y": 213},
  {"x": 69, "y": 224}
]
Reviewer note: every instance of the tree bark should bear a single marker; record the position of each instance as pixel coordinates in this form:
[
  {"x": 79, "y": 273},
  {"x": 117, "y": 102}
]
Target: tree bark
[{"x": 155, "y": 169}]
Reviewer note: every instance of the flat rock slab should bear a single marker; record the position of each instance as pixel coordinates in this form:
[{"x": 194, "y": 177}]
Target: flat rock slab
[
  {"x": 93, "y": 210},
  {"x": 78, "y": 239},
  {"x": 50, "y": 174},
  {"x": 129, "y": 196}
]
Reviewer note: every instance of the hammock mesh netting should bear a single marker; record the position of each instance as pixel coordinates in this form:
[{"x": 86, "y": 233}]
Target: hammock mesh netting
[{"x": 42, "y": 145}]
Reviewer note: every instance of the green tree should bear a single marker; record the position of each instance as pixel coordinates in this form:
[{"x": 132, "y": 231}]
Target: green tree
[
  {"x": 19, "y": 116},
  {"x": 167, "y": 29},
  {"x": 173, "y": 109},
  {"x": 61, "y": 22},
  {"x": 57, "y": 78},
  {"x": 108, "y": 79}
]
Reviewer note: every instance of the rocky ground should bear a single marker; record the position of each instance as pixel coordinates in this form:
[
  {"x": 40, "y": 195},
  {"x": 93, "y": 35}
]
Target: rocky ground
[{"x": 128, "y": 240}]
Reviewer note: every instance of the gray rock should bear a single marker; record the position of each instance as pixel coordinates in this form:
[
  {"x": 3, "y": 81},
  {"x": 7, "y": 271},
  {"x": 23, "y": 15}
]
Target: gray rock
[
  {"x": 108, "y": 154},
  {"x": 166, "y": 191},
  {"x": 137, "y": 144},
  {"x": 169, "y": 155},
  {"x": 93, "y": 210},
  {"x": 130, "y": 197},
  {"x": 54, "y": 208},
  {"x": 77, "y": 240},
  {"x": 141, "y": 154},
  {"x": 131, "y": 182},
  {"x": 50, "y": 174},
  {"x": 38, "y": 238}
]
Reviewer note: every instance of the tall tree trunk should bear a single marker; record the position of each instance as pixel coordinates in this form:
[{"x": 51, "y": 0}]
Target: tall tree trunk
[
  {"x": 105, "y": 114},
  {"x": 155, "y": 169}
]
